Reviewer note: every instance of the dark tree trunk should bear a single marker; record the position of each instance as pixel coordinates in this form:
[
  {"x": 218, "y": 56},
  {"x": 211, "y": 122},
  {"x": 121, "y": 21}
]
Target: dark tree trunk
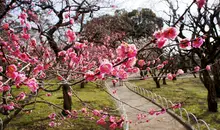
[
  {"x": 67, "y": 99},
  {"x": 82, "y": 85},
  {"x": 157, "y": 82},
  {"x": 2, "y": 8},
  {"x": 164, "y": 81},
  {"x": 216, "y": 77},
  {"x": 7, "y": 120},
  {"x": 209, "y": 84}
]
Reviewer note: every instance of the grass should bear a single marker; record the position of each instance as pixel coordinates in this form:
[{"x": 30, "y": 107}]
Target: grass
[
  {"x": 38, "y": 118},
  {"x": 191, "y": 91}
]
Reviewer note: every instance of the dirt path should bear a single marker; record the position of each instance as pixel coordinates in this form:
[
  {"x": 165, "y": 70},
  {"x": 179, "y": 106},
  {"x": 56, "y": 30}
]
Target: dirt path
[{"x": 161, "y": 122}]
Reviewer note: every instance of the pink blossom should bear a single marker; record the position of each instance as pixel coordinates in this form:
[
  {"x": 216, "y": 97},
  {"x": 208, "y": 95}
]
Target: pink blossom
[
  {"x": 33, "y": 42},
  {"x": 9, "y": 107},
  {"x": 1, "y": 69},
  {"x": 78, "y": 45},
  {"x": 169, "y": 76},
  {"x": 6, "y": 88},
  {"x": 180, "y": 71},
  {"x": 122, "y": 74},
  {"x": 105, "y": 67},
  {"x": 23, "y": 57},
  {"x": 48, "y": 94},
  {"x": 52, "y": 124},
  {"x": 32, "y": 84},
  {"x": 101, "y": 121},
  {"x": 113, "y": 126},
  {"x": 197, "y": 43},
  {"x": 112, "y": 119},
  {"x": 184, "y": 43},
  {"x": 96, "y": 112},
  {"x": 23, "y": 15},
  {"x": 161, "y": 42},
  {"x": 132, "y": 51},
  {"x": 84, "y": 110},
  {"x": 170, "y": 33},
  {"x": 175, "y": 106},
  {"x": 200, "y": 3},
  {"x": 62, "y": 53},
  {"x": 14, "y": 37},
  {"x": 21, "y": 96},
  {"x": 135, "y": 70},
  {"x": 131, "y": 62},
  {"x": 165, "y": 62},
  {"x": 151, "y": 111},
  {"x": 158, "y": 34},
  {"x": 196, "y": 69},
  {"x": 12, "y": 75},
  {"x": 148, "y": 63},
  {"x": 148, "y": 68},
  {"x": 208, "y": 67},
  {"x": 89, "y": 76},
  {"x": 11, "y": 68},
  {"x": 71, "y": 35},
  {"x": 25, "y": 36},
  {"x": 52, "y": 116},
  {"x": 141, "y": 63},
  {"x": 1, "y": 78},
  {"x": 5, "y": 26},
  {"x": 153, "y": 62},
  {"x": 160, "y": 66},
  {"x": 71, "y": 21}
]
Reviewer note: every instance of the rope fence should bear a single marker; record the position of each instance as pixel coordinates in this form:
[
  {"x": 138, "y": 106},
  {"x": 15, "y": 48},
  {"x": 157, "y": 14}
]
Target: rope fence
[{"x": 190, "y": 120}]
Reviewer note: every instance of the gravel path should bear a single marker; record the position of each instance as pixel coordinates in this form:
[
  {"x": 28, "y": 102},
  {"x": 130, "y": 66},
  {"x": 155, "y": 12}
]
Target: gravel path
[{"x": 161, "y": 122}]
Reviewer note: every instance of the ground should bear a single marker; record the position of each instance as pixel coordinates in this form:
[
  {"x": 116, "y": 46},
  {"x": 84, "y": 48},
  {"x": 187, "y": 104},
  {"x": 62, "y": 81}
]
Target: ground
[
  {"x": 38, "y": 119},
  {"x": 188, "y": 90}
]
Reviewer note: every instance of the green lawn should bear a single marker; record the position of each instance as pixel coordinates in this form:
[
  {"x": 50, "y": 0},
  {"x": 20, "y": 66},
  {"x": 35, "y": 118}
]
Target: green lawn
[
  {"x": 192, "y": 90},
  {"x": 38, "y": 118}
]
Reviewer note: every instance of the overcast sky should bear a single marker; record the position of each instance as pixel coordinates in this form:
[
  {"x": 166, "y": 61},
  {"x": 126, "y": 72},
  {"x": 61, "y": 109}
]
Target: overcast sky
[{"x": 158, "y": 6}]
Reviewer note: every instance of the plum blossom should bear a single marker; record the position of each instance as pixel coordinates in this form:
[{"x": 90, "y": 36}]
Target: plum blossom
[
  {"x": 5, "y": 26},
  {"x": 84, "y": 110},
  {"x": 78, "y": 45},
  {"x": 158, "y": 34},
  {"x": 122, "y": 74},
  {"x": 105, "y": 67},
  {"x": 71, "y": 35},
  {"x": 196, "y": 69},
  {"x": 96, "y": 112},
  {"x": 126, "y": 50},
  {"x": 197, "y": 43},
  {"x": 32, "y": 84},
  {"x": 89, "y": 76},
  {"x": 170, "y": 76},
  {"x": 141, "y": 63},
  {"x": 52, "y": 116},
  {"x": 33, "y": 42},
  {"x": 11, "y": 68},
  {"x": 6, "y": 88},
  {"x": 184, "y": 43},
  {"x": 200, "y": 3},
  {"x": 148, "y": 63},
  {"x": 21, "y": 96},
  {"x": 52, "y": 124},
  {"x": 170, "y": 33},
  {"x": 160, "y": 66},
  {"x": 180, "y": 71},
  {"x": 161, "y": 42},
  {"x": 208, "y": 67},
  {"x": 131, "y": 62},
  {"x": 113, "y": 126},
  {"x": 101, "y": 121}
]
